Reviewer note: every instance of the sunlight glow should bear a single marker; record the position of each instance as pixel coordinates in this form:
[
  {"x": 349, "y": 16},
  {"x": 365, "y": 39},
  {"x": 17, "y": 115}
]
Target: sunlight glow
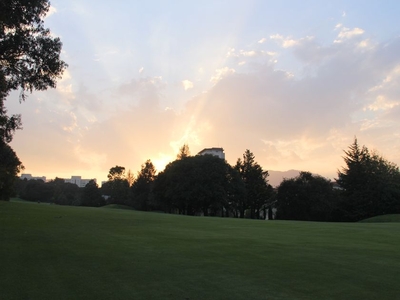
[{"x": 161, "y": 161}]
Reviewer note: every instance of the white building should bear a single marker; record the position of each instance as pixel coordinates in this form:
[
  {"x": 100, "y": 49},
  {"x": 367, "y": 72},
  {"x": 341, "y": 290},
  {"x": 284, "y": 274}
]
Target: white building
[
  {"x": 30, "y": 177},
  {"x": 78, "y": 181},
  {"x": 213, "y": 151}
]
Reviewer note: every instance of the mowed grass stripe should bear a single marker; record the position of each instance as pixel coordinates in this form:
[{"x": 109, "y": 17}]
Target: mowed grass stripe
[{"x": 55, "y": 252}]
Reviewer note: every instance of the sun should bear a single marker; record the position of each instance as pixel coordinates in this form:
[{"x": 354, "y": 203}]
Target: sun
[{"x": 161, "y": 161}]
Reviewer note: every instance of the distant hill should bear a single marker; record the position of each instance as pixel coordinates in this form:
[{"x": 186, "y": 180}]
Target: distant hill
[{"x": 276, "y": 177}]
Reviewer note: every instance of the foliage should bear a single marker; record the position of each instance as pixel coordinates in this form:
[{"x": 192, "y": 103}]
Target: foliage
[
  {"x": 306, "y": 197},
  {"x": 117, "y": 186},
  {"x": 235, "y": 192},
  {"x": 183, "y": 152},
  {"x": 8, "y": 125},
  {"x": 196, "y": 185},
  {"x": 370, "y": 183},
  {"x": 115, "y": 253},
  {"x": 116, "y": 172},
  {"x": 91, "y": 195},
  {"x": 142, "y": 188},
  {"x": 10, "y": 166},
  {"x": 64, "y": 193},
  {"x": 258, "y": 191},
  {"x": 56, "y": 191},
  {"x": 29, "y": 54},
  {"x": 35, "y": 190},
  {"x": 29, "y": 60},
  {"x": 130, "y": 177}
]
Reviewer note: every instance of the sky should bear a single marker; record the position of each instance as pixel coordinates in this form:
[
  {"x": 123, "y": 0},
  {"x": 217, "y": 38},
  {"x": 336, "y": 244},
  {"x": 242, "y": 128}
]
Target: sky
[{"x": 292, "y": 81}]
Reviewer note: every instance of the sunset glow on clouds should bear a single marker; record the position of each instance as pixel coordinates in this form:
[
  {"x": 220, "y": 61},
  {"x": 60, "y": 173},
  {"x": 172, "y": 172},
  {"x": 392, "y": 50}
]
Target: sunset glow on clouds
[{"x": 294, "y": 83}]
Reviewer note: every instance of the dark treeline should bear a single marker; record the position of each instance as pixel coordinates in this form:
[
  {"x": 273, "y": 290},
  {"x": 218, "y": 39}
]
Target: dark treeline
[
  {"x": 367, "y": 186},
  {"x": 58, "y": 191},
  {"x": 206, "y": 185}
]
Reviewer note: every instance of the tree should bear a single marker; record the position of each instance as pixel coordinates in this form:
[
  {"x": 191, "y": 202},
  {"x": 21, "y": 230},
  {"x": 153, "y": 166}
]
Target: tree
[
  {"x": 29, "y": 60},
  {"x": 370, "y": 183},
  {"x": 235, "y": 192},
  {"x": 56, "y": 191},
  {"x": 258, "y": 191},
  {"x": 37, "y": 191},
  {"x": 306, "y": 197},
  {"x": 29, "y": 54},
  {"x": 64, "y": 193},
  {"x": 183, "y": 152},
  {"x": 199, "y": 184},
  {"x": 8, "y": 125},
  {"x": 116, "y": 172},
  {"x": 91, "y": 195},
  {"x": 117, "y": 186},
  {"x": 130, "y": 178},
  {"x": 10, "y": 166},
  {"x": 142, "y": 188}
]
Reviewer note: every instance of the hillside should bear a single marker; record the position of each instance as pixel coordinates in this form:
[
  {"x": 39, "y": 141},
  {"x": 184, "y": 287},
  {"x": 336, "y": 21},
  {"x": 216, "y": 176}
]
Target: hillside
[{"x": 383, "y": 219}]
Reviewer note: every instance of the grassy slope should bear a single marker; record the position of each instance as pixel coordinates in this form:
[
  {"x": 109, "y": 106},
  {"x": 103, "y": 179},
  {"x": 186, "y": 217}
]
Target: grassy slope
[
  {"x": 384, "y": 218},
  {"x": 54, "y": 252}
]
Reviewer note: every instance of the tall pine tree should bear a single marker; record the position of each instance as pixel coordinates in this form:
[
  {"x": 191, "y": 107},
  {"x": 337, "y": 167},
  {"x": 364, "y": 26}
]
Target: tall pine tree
[
  {"x": 258, "y": 191},
  {"x": 370, "y": 183}
]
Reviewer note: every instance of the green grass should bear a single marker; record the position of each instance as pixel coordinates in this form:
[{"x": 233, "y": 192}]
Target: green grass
[
  {"x": 55, "y": 252},
  {"x": 381, "y": 219}
]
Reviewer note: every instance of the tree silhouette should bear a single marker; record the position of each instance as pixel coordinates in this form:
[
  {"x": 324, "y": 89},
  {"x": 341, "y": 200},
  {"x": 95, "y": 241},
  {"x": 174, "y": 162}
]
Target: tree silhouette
[
  {"x": 183, "y": 152},
  {"x": 306, "y": 197},
  {"x": 10, "y": 166},
  {"x": 258, "y": 191},
  {"x": 142, "y": 188},
  {"x": 370, "y": 183}
]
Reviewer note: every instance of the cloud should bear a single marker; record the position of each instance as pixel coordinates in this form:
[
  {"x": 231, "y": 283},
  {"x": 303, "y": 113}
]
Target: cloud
[
  {"x": 95, "y": 159},
  {"x": 221, "y": 73},
  {"x": 300, "y": 118},
  {"x": 382, "y": 103},
  {"x": 385, "y": 95},
  {"x": 248, "y": 53},
  {"x": 262, "y": 41},
  {"x": 134, "y": 133},
  {"x": 285, "y": 42},
  {"x": 297, "y": 115},
  {"x": 187, "y": 84},
  {"x": 70, "y": 127},
  {"x": 347, "y": 33}
]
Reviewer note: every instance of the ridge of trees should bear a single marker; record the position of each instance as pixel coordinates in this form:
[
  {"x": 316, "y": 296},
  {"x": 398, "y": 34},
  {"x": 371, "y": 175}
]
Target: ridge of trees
[{"x": 368, "y": 185}]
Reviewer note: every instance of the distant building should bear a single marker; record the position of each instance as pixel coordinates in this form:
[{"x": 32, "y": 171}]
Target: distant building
[
  {"x": 79, "y": 181},
  {"x": 30, "y": 177},
  {"x": 213, "y": 151}
]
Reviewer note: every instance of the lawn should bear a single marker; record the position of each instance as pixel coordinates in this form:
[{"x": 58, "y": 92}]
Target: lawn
[
  {"x": 54, "y": 252},
  {"x": 384, "y": 218}
]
